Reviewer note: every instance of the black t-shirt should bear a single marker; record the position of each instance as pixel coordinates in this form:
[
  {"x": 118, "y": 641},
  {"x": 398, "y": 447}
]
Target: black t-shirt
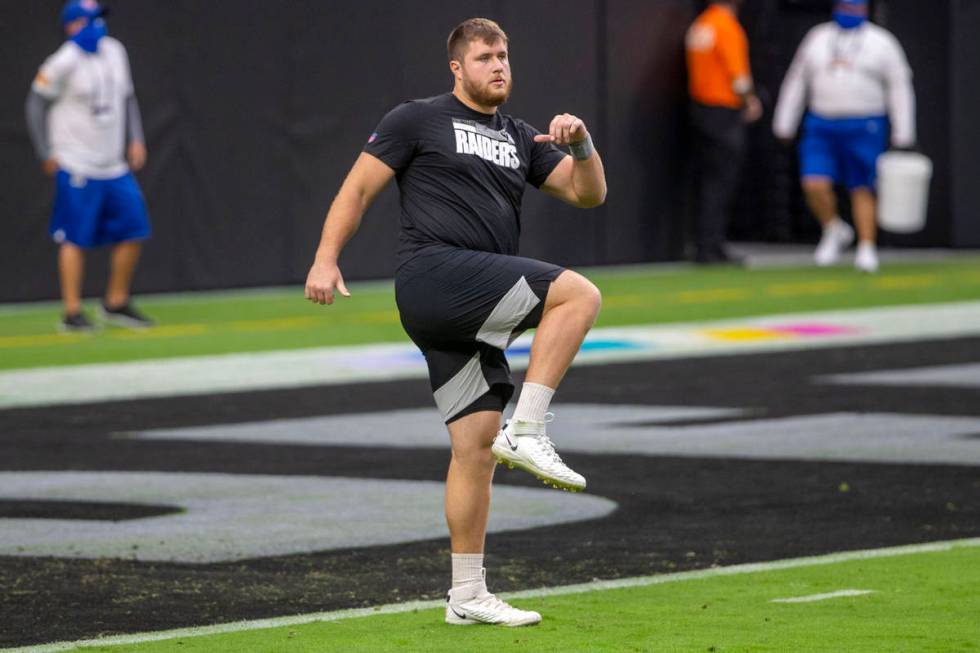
[{"x": 461, "y": 173}]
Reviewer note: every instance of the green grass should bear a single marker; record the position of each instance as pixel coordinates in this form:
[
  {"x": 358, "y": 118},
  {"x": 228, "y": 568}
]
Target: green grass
[
  {"x": 922, "y": 603},
  {"x": 214, "y": 323}
]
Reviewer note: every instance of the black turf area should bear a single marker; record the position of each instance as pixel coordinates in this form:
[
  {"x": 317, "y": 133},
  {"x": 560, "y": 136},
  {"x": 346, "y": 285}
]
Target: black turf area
[{"x": 674, "y": 513}]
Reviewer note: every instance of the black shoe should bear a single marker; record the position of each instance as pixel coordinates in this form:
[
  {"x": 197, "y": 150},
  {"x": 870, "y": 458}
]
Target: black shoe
[
  {"x": 718, "y": 255},
  {"x": 125, "y": 316},
  {"x": 75, "y": 323},
  {"x": 723, "y": 255}
]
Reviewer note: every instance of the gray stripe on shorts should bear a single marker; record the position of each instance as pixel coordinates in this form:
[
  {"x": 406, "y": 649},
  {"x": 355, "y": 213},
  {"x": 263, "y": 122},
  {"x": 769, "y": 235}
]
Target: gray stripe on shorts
[
  {"x": 463, "y": 389},
  {"x": 507, "y": 314}
]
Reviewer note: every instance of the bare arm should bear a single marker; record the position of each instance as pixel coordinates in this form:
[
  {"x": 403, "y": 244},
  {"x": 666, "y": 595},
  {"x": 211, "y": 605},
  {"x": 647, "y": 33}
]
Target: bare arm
[
  {"x": 578, "y": 181},
  {"x": 365, "y": 180}
]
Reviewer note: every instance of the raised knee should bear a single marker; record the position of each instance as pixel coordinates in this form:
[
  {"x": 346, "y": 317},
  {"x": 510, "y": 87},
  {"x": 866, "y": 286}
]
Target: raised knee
[
  {"x": 592, "y": 298},
  {"x": 576, "y": 293}
]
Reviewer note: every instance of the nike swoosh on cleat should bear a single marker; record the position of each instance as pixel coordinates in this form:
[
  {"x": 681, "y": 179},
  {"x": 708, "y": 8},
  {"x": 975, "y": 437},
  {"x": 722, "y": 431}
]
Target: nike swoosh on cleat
[
  {"x": 461, "y": 616},
  {"x": 513, "y": 447}
]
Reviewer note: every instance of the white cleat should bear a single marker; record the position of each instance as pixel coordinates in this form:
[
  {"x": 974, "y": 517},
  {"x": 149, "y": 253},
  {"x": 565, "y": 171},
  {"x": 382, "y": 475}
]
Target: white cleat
[
  {"x": 837, "y": 237},
  {"x": 866, "y": 259},
  {"x": 472, "y": 605},
  {"x": 524, "y": 445}
]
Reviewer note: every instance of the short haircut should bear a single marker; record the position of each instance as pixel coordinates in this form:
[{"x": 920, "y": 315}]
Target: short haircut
[{"x": 470, "y": 30}]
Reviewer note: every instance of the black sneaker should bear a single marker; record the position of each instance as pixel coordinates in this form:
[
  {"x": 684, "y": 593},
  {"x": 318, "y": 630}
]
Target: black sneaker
[
  {"x": 718, "y": 255},
  {"x": 125, "y": 316},
  {"x": 75, "y": 323}
]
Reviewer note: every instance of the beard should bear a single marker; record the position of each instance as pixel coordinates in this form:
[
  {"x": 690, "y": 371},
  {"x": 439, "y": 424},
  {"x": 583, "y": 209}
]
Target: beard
[{"x": 487, "y": 95}]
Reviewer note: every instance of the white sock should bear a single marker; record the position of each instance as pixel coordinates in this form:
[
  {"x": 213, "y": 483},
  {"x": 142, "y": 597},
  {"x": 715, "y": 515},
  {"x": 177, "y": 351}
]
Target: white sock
[
  {"x": 867, "y": 245},
  {"x": 533, "y": 402},
  {"x": 467, "y": 569}
]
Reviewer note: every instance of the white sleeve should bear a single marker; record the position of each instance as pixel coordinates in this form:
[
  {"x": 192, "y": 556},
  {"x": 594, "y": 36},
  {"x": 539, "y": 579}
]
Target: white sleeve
[
  {"x": 128, "y": 73},
  {"x": 792, "y": 95},
  {"x": 50, "y": 80},
  {"x": 901, "y": 96}
]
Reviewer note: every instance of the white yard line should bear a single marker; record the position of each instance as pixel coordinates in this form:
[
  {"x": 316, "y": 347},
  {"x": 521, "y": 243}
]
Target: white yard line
[
  {"x": 81, "y": 384},
  {"x": 823, "y": 597},
  {"x": 641, "y": 581}
]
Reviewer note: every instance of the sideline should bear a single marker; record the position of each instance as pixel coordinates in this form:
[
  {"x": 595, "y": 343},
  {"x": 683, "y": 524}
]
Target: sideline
[
  {"x": 396, "y": 608},
  {"x": 100, "y": 382}
]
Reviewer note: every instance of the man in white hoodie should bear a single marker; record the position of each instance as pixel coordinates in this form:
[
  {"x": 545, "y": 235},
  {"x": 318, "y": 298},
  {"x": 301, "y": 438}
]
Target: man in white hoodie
[
  {"x": 855, "y": 83},
  {"x": 86, "y": 127}
]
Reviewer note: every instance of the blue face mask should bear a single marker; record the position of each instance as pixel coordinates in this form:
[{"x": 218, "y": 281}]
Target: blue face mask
[
  {"x": 848, "y": 21},
  {"x": 89, "y": 36}
]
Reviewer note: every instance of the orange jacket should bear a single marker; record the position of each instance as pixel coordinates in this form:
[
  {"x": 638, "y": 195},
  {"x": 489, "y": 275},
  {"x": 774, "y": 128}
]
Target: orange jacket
[{"x": 717, "y": 58}]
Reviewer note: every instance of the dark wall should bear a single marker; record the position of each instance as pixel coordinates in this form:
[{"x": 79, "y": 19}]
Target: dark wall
[
  {"x": 254, "y": 111},
  {"x": 965, "y": 137},
  {"x": 925, "y": 36}
]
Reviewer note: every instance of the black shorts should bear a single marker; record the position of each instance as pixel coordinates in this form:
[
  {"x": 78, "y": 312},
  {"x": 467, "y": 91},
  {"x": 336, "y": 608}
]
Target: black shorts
[{"x": 463, "y": 308}]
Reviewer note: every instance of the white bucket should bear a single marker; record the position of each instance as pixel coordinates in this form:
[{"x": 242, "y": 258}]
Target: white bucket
[{"x": 903, "y": 191}]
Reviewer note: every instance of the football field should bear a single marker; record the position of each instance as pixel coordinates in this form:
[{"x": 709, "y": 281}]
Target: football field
[
  {"x": 917, "y": 599},
  {"x": 779, "y": 459}
]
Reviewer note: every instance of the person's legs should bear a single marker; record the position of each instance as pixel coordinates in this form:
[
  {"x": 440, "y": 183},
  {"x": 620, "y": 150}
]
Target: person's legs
[
  {"x": 821, "y": 199},
  {"x": 504, "y": 296},
  {"x": 71, "y": 268},
  {"x": 569, "y": 312},
  {"x": 125, "y": 224},
  {"x": 462, "y": 309},
  {"x": 820, "y": 169},
  {"x": 467, "y": 503},
  {"x": 864, "y": 207},
  {"x": 469, "y": 479},
  {"x": 710, "y": 173},
  {"x": 123, "y": 260},
  {"x": 868, "y": 139},
  {"x": 837, "y": 235},
  {"x": 720, "y": 136},
  {"x": 74, "y": 222}
]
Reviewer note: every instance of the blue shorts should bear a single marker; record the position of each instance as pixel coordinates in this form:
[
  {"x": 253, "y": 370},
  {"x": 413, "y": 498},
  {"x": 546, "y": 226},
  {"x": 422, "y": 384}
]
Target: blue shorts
[
  {"x": 93, "y": 212},
  {"x": 845, "y": 150}
]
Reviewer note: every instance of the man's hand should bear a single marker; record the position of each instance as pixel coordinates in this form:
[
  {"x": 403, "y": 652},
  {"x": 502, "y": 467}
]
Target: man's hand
[
  {"x": 50, "y": 166},
  {"x": 322, "y": 280},
  {"x": 753, "y": 109},
  {"x": 136, "y": 155},
  {"x": 564, "y": 130}
]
